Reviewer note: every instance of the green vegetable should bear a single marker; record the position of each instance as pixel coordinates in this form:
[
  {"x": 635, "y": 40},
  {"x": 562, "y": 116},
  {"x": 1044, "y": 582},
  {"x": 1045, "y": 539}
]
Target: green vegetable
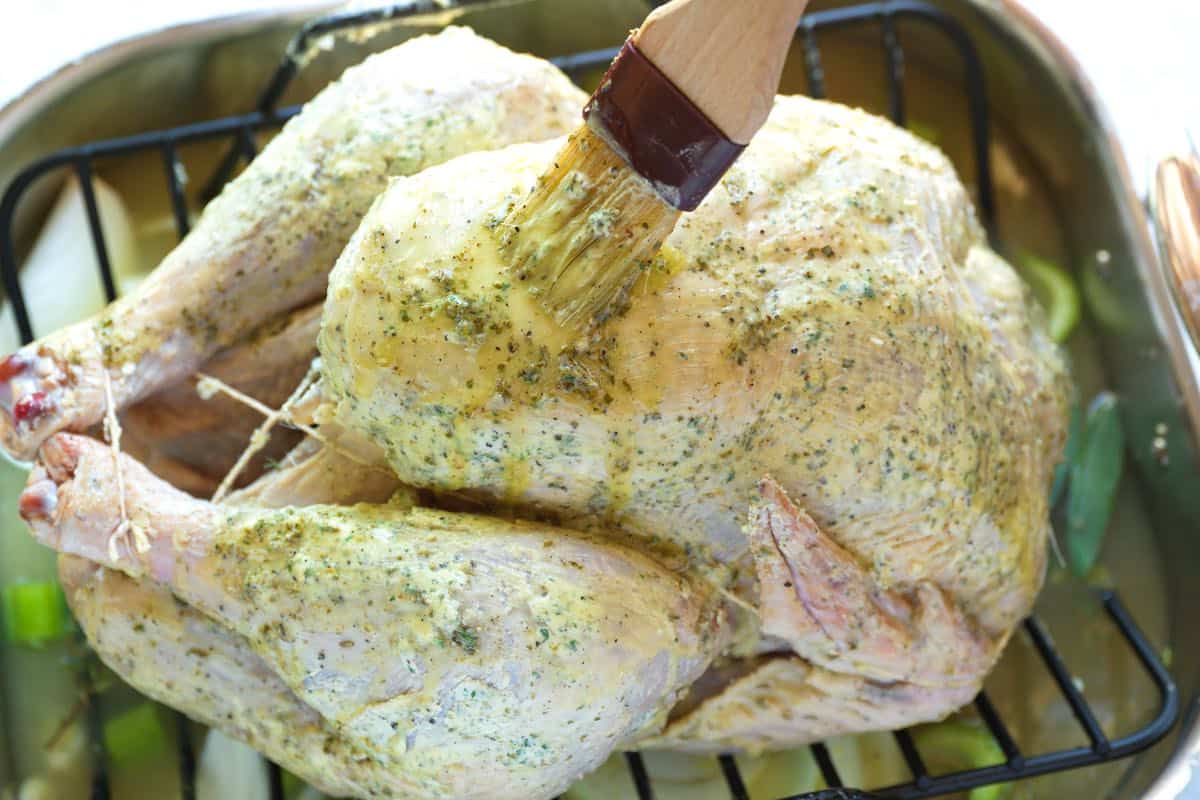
[
  {"x": 926, "y": 131},
  {"x": 1063, "y": 471},
  {"x": 1056, "y": 291},
  {"x": 35, "y": 613},
  {"x": 294, "y": 788},
  {"x": 610, "y": 780},
  {"x": 1095, "y": 472},
  {"x": 135, "y": 735},
  {"x": 292, "y": 785},
  {"x": 956, "y": 746},
  {"x": 1107, "y": 307},
  {"x": 683, "y": 776},
  {"x": 309, "y": 793}
]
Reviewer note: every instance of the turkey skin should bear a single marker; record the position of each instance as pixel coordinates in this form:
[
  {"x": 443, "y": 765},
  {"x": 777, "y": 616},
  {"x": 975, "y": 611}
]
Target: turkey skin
[{"x": 831, "y": 318}]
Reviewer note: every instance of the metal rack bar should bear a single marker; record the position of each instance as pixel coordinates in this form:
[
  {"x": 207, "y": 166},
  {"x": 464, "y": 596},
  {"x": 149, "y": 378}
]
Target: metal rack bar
[
  {"x": 916, "y": 765},
  {"x": 83, "y": 169},
  {"x": 812, "y": 59},
  {"x": 572, "y": 63},
  {"x": 274, "y": 781},
  {"x": 1075, "y": 757},
  {"x": 297, "y": 54},
  {"x": 641, "y": 779},
  {"x": 111, "y": 148},
  {"x": 895, "y": 69},
  {"x": 588, "y": 59},
  {"x": 1066, "y": 685},
  {"x": 187, "y": 759},
  {"x": 733, "y": 778},
  {"x": 246, "y": 144},
  {"x": 99, "y": 789},
  {"x": 987, "y": 712},
  {"x": 825, "y": 763},
  {"x": 173, "y": 167},
  {"x": 976, "y": 96}
]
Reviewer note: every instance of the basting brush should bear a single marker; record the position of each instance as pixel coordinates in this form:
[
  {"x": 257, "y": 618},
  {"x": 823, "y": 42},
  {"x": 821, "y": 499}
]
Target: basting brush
[{"x": 677, "y": 106}]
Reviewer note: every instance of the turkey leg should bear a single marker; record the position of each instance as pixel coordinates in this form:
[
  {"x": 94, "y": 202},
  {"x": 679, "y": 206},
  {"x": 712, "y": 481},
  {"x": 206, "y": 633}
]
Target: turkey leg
[
  {"x": 471, "y": 654},
  {"x": 266, "y": 244}
]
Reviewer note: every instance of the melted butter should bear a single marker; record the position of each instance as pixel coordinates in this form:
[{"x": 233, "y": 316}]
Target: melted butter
[
  {"x": 518, "y": 477},
  {"x": 666, "y": 265},
  {"x": 484, "y": 336},
  {"x": 645, "y": 396},
  {"x": 459, "y": 452},
  {"x": 365, "y": 382},
  {"x": 620, "y": 460}
]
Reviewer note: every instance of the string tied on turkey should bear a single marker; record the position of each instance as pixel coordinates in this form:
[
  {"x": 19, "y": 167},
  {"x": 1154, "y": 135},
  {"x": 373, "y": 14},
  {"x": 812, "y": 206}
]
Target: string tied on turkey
[
  {"x": 208, "y": 386},
  {"x": 132, "y": 534}
]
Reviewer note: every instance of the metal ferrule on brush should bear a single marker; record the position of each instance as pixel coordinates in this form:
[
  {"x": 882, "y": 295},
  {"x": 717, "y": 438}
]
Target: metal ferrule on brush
[
  {"x": 598, "y": 216},
  {"x": 658, "y": 131}
]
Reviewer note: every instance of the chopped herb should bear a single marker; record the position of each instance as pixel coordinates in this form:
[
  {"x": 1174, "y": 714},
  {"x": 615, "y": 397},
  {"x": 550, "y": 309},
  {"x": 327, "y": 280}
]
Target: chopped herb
[{"x": 466, "y": 638}]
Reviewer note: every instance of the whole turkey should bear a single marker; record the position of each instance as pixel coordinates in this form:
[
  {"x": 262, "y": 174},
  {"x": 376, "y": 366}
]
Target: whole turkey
[{"x": 794, "y": 485}]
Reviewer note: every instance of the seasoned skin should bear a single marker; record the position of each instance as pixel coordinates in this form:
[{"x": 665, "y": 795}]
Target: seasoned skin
[
  {"x": 830, "y": 316},
  {"x": 827, "y": 342},
  {"x": 816, "y": 597},
  {"x": 266, "y": 244},
  {"x": 178, "y": 656},
  {"x": 472, "y": 657},
  {"x": 166, "y": 649},
  {"x": 782, "y": 701}
]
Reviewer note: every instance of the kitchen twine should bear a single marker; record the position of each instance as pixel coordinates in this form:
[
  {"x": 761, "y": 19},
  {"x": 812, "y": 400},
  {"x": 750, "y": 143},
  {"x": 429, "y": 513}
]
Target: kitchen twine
[
  {"x": 207, "y": 386},
  {"x": 134, "y": 536}
]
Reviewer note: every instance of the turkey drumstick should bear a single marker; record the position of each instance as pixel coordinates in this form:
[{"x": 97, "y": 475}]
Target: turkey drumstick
[
  {"x": 266, "y": 244},
  {"x": 474, "y": 657},
  {"x": 169, "y": 651},
  {"x": 178, "y": 656}
]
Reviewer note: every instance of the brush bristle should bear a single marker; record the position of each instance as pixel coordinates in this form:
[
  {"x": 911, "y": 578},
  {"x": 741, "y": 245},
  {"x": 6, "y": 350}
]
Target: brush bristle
[{"x": 587, "y": 230}]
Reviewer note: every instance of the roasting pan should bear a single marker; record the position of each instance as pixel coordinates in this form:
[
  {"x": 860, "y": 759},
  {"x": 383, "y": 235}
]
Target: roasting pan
[{"x": 1097, "y": 682}]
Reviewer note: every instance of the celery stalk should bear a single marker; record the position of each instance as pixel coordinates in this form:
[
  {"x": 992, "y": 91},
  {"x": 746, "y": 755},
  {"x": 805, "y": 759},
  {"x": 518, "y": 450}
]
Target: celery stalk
[
  {"x": 134, "y": 735},
  {"x": 34, "y": 613},
  {"x": 1057, "y": 293},
  {"x": 955, "y": 746}
]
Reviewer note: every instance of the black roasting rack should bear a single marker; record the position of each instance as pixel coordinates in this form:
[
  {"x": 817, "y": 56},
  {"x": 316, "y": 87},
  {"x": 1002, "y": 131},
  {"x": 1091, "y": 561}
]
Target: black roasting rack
[{"x": 884, "y": 18}]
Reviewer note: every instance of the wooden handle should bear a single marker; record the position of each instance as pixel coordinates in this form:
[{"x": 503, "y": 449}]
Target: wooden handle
[{"x": 725, "y": 55}]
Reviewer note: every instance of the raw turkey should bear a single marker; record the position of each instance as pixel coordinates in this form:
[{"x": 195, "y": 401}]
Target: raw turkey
[
  {"x": 441, "y": 655},
  {"x": 793, "y": 486},
  {"x": 830, "y": 317},
  {"x": 266, "y": 244}
]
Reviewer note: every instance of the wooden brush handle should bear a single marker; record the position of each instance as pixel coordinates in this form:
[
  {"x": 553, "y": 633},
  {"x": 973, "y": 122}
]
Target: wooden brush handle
[{"x": 725, "y": 55}]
